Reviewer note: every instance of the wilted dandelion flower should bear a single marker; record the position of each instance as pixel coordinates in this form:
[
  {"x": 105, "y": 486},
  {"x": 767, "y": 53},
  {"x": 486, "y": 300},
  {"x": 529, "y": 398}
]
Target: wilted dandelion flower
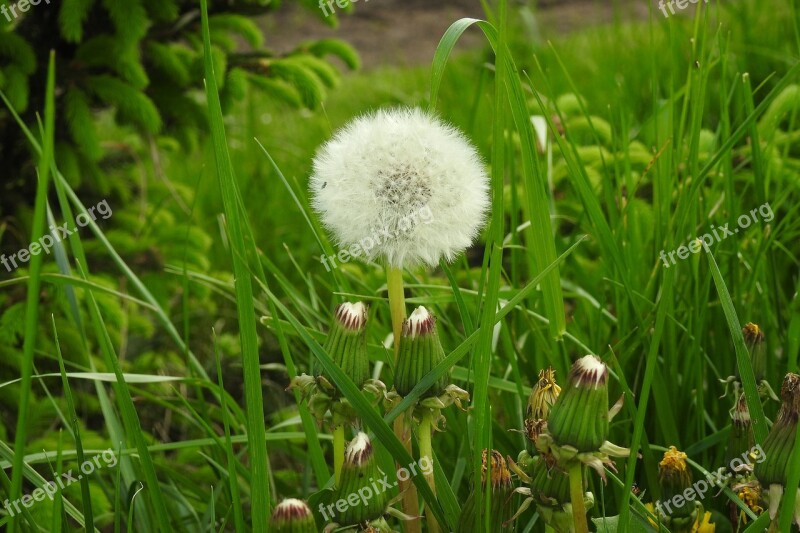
[{"x": 402, "y": 185}]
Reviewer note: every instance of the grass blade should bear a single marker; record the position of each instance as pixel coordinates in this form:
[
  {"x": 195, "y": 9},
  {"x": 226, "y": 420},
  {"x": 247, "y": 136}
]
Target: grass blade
[{"x": 260, "y": 500}]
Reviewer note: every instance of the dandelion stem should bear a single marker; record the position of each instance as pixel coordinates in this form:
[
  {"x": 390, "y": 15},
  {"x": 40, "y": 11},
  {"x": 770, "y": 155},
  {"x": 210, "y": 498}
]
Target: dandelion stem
[
  {"x": 576, "y": 495},
  {"x": 397, "y": 308},
  {"x": 397, "y": 303},
  {"x": 426, "y": 450},
  {"x": 338, "y": 452}
]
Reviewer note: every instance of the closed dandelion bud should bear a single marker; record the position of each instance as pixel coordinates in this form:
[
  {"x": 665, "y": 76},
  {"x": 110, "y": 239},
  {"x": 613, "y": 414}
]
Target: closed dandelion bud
[
  {"x": 292, "y": 516},
  {"x": 500, "y": 491},
  {"x": 358, "y": 484},
  {"x": 757, "y": 347},
  {"x": 420, "y": 352},
  {"x": 579, "y": 417},
  {"x": 674, "y": 477},
  {"x": 778, "y": 448},
  {"x": 347, "y": 341}
]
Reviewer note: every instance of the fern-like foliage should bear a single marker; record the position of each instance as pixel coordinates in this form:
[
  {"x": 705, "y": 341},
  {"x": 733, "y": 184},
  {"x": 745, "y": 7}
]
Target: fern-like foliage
[{"x": 142, "y": 59}]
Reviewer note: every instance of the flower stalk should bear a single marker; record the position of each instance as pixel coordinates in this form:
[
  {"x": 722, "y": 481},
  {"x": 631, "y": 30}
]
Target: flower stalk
[
  {"x": 338, "y": 452},
  {"x": 397, "y": 310},
  {"x": 576, "y": 497},
  {"x": 426, "y": 451}
]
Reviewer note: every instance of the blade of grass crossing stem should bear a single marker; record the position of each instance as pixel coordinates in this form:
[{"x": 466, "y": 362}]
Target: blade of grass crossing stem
[
  {"x": 76, "y": 430},
  {"x": 367, "y": 412},
  {"x": 32, "y": 302},
  {"x": 742, "y": 355},
  {"x": 260, "y": 500}
]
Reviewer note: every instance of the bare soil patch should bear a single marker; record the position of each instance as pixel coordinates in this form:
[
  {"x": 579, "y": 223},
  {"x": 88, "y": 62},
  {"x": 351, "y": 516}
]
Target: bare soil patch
[{"x": 406, "y": 32}]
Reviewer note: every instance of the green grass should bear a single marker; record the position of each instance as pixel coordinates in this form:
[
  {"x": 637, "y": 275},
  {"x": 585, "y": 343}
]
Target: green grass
[{"x": 672, "y": 125}]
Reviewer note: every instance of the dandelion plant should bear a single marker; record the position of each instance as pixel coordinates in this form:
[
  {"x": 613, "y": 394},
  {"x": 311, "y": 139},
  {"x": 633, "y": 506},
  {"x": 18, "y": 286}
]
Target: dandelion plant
[{"x": 406, "y": 188}]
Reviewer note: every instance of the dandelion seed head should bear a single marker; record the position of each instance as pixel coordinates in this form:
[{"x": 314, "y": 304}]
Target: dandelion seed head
[{"x": 400, "y": 185}]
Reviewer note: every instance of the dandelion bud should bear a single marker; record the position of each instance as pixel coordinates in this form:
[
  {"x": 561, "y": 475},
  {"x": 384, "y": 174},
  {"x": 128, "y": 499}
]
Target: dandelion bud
[
  {"x": 674, "y": 477},
  {"x": 754, "y": 338},
  {"x": 292, "y": 516},
  {"x": 500, "y": 491},
  {"x": 420, "y": 352},
  {"x": 358, "y": 485},
  {"x": 347, "y": 341},
  {"x": 579, "y": 417},
  {"x": 778, "y": 448}
]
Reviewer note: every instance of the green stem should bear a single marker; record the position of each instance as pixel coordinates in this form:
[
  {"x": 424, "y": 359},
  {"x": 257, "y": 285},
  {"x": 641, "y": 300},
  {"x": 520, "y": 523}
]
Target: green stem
[
  {"x": 338, "y": 452},
  {"x": 576, "y": 495},
  {"x": 426, "y": 450},
  {"x": 397, "y": 308},
  {"x": 397, "y": 303}
]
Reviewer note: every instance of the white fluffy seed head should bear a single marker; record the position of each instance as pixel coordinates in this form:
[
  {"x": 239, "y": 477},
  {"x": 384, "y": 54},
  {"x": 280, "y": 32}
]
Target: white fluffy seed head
[{"x": 402, "y": 185}]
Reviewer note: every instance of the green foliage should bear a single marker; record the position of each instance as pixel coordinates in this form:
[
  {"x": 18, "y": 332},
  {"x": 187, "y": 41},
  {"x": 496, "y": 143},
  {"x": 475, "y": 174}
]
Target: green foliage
[{"x": 143, "y": 60}]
